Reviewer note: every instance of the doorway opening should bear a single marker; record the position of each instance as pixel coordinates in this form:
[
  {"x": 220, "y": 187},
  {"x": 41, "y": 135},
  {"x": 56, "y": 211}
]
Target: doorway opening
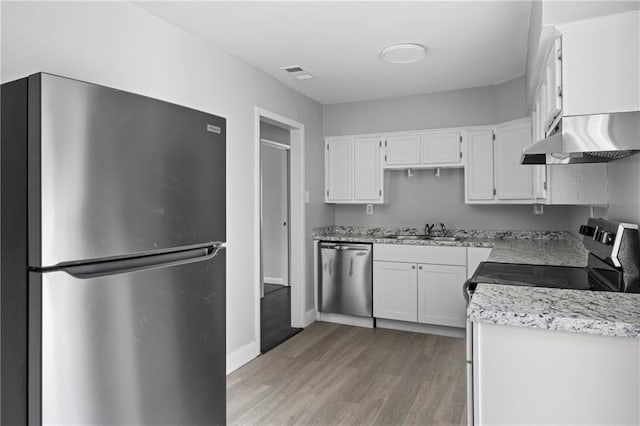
[{"x": 280, "y": 292}]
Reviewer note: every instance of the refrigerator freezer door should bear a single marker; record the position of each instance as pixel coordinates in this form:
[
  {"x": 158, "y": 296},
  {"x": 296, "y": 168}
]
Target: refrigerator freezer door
[
  {"x": 115, "y": 173},
  {"x": 143, "y": 348}
]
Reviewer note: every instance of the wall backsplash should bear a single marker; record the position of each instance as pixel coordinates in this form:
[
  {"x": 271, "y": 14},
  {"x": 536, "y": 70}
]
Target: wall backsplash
[{"x": 412, "y": 202}]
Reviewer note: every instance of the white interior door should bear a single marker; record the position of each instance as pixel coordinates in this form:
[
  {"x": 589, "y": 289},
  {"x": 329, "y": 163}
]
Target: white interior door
[{"x": 275, "y": 214}]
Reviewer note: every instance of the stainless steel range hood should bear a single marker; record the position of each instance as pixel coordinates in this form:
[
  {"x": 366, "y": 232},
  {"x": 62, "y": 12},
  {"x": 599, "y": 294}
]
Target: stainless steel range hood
[{"x": 597, "y": 138}]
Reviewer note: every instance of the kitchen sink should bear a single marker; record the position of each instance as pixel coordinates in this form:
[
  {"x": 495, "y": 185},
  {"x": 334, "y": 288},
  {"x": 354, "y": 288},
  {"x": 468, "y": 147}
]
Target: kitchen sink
[
  {"x": 407, "y": 237},
  {"x": 423, "y": 237},
  {"x": 437, "y": 238}
]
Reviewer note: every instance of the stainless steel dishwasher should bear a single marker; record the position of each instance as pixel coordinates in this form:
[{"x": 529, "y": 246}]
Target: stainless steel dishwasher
[{"x": 345, "y": 278}]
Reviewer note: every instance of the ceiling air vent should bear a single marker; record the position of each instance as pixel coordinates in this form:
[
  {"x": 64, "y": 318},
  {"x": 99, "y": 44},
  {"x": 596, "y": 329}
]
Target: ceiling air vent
[{"x": 298, "y": 72}]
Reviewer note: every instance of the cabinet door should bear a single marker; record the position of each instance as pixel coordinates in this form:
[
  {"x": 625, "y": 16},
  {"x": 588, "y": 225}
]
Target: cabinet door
[
  {"x": 367, "y": 169},
  {"x": 479, "y": 169},
  {"x": 542, "y": 97},
  {"x": 514, "y": 181},
  {"x": 338, "y": 172},
  {"x": 553, "y": 85},
  {"x": 394, "y": 291},
  {"x": 441, "y": 148},
  {"x": 440, "y": 298},
  {"x": 402, "y": 150}
]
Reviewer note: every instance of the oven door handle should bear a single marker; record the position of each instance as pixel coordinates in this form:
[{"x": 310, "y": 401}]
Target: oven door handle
[{"x": 466, "y": 292}]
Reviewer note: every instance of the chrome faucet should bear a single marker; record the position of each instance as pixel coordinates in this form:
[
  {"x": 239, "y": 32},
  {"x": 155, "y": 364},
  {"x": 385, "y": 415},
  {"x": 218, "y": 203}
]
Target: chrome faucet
[
  {"x": 443, "y": 229},
  {"x": 428, "y": 228}
]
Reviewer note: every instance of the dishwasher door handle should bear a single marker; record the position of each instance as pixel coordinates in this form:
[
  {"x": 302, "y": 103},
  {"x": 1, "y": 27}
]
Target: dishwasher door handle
[{"x": 344, "y": 247}]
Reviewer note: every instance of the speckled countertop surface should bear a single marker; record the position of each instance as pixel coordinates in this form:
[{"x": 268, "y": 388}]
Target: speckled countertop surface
[
  {"x": 575, "y": 311},
  {"x": 535, "y": 247}
]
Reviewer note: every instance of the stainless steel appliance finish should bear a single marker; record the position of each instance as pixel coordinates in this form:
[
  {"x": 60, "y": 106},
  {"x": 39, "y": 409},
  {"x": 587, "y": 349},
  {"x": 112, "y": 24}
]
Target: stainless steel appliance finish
[
  {"x": 113, "y": 268},
  {"x": 132, "y": 348},
  {"x": 346, "y": 279},
  {"x": 121, "y": 173},
  {"x": 597, "y": 138}
]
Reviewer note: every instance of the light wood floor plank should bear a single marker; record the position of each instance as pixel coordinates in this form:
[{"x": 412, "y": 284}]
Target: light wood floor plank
[{"x": 332, "y": 374}]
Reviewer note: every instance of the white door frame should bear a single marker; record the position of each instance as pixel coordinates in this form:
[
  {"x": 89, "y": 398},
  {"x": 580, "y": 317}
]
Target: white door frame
[
  {"x": 297, "y": 267},
  {"x": 286, "y": 149}
]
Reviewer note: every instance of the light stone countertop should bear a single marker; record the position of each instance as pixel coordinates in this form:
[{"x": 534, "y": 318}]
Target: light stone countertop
[
  {"x": 575, "y": 311},
  {"x": 533, "y": 247}
]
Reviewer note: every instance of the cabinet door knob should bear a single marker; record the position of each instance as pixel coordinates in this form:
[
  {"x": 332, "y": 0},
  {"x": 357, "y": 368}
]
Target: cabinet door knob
[
  {"x": 420, "y": 267},
  {"x": 413, "y": 266}
]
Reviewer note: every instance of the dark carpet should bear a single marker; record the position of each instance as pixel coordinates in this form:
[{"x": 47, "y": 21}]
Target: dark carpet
[{"x": 275, "y": 317}]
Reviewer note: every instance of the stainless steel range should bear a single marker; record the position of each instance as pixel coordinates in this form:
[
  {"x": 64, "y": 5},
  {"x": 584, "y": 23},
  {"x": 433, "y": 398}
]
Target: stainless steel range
[{"x": 613, "y": 264}]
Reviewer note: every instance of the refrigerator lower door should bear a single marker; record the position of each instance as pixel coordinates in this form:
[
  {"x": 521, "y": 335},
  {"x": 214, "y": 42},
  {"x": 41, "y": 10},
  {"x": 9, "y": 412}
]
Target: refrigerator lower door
[{"x": 138, "y": 348}]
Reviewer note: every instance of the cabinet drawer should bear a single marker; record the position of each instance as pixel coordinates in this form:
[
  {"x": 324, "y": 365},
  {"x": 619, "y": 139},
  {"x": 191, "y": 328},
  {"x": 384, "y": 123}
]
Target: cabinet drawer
[{"x": 420, "y": 254}]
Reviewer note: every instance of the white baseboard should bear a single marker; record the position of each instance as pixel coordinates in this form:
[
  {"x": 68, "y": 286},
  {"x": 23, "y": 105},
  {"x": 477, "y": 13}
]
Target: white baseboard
[
  {"x": 309, "y": 317},
  {"x": 346, "y": 319},
  {"x": 421, "y": 328},
  {"x": 271, "y": 280},
  {"x": 241, "y": 356}
]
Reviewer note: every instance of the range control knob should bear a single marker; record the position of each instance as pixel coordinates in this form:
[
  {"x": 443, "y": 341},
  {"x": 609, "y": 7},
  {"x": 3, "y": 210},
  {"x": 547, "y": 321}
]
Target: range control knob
[
  {"x": 587, "y": 230},
  {"x": 604, "y": 237},
  {"x": 607, "y": 238}
]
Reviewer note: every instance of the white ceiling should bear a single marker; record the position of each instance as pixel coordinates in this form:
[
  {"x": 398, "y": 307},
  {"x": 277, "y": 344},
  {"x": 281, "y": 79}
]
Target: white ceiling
[{"x": 469, "y": 44}]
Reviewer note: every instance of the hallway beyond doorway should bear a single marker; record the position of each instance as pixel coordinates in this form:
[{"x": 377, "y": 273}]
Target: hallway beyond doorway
[{"x": 275, "y": 326}]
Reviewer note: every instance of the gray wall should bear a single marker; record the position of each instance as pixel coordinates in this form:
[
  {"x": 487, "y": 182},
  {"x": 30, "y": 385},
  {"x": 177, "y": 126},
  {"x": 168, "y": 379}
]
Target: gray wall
[
  {"x": 624, "y": 195},
  {"x": 423, "y": 198},
  {"x": 120, "y": 45}
]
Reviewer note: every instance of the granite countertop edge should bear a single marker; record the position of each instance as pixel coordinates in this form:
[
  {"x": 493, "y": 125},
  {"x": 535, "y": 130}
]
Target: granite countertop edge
[
  {"x": 557, "y": 323},
  {"x": 573, "y": 311}
]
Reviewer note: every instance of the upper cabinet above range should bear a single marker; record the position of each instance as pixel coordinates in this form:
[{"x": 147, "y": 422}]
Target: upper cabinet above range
[
  {"x": 601, "y": 65},
  {"x": 587, "y": 67},
  {"x": 442, "y": 148}
]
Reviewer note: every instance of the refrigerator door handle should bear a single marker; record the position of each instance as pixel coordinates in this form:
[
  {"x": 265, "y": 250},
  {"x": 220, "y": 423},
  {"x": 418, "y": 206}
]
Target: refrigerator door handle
[{"x": 103, "y": 267}]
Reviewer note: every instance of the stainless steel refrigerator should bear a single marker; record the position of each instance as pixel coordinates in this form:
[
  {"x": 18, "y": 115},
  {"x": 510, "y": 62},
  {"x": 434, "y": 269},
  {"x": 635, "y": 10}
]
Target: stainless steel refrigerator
[{"x": 112, "y": 268}]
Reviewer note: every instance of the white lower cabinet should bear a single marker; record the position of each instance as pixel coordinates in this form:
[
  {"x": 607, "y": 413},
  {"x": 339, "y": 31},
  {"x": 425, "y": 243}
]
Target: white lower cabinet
[
  {"x": 408, "y": 284},
  {"x": 440, "y": 299},
  {"x": 394, "y": 291},
  {"x": 528, "y": 376}
]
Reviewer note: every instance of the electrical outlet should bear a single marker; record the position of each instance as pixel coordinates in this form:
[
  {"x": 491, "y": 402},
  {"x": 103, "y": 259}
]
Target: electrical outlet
[
  {"x": 538, "y": 209},
  {"x": 369, "y": 208}
]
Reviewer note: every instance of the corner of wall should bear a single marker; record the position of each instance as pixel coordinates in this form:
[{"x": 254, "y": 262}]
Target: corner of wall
[{"x": 242, "y": 356}]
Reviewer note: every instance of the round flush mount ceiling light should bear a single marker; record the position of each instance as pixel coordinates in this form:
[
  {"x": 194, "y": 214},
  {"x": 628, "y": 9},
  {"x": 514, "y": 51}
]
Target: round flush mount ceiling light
[{"x": 403, "y": 53}]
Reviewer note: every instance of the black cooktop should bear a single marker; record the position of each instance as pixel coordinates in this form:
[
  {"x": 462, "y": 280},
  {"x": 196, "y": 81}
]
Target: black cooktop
[{"x": 568, "y": 277}]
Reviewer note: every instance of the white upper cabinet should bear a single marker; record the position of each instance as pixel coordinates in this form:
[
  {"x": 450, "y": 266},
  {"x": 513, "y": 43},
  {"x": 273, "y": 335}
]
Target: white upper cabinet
[
  {"x": 442, "y": 148},
  {"x": 353, "y": 170},
  {"x": 479, "y": 170},
  {"x": 338, "y": 175},
  {"x": 553, "y": 85},
  {"x": 493, "y": 173},
  {"x": 367, "y": 178},
  {"x": 514, "y": 181},
  {"x": 601, "y": 65},
  {"x": 402, "y": 150}
]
